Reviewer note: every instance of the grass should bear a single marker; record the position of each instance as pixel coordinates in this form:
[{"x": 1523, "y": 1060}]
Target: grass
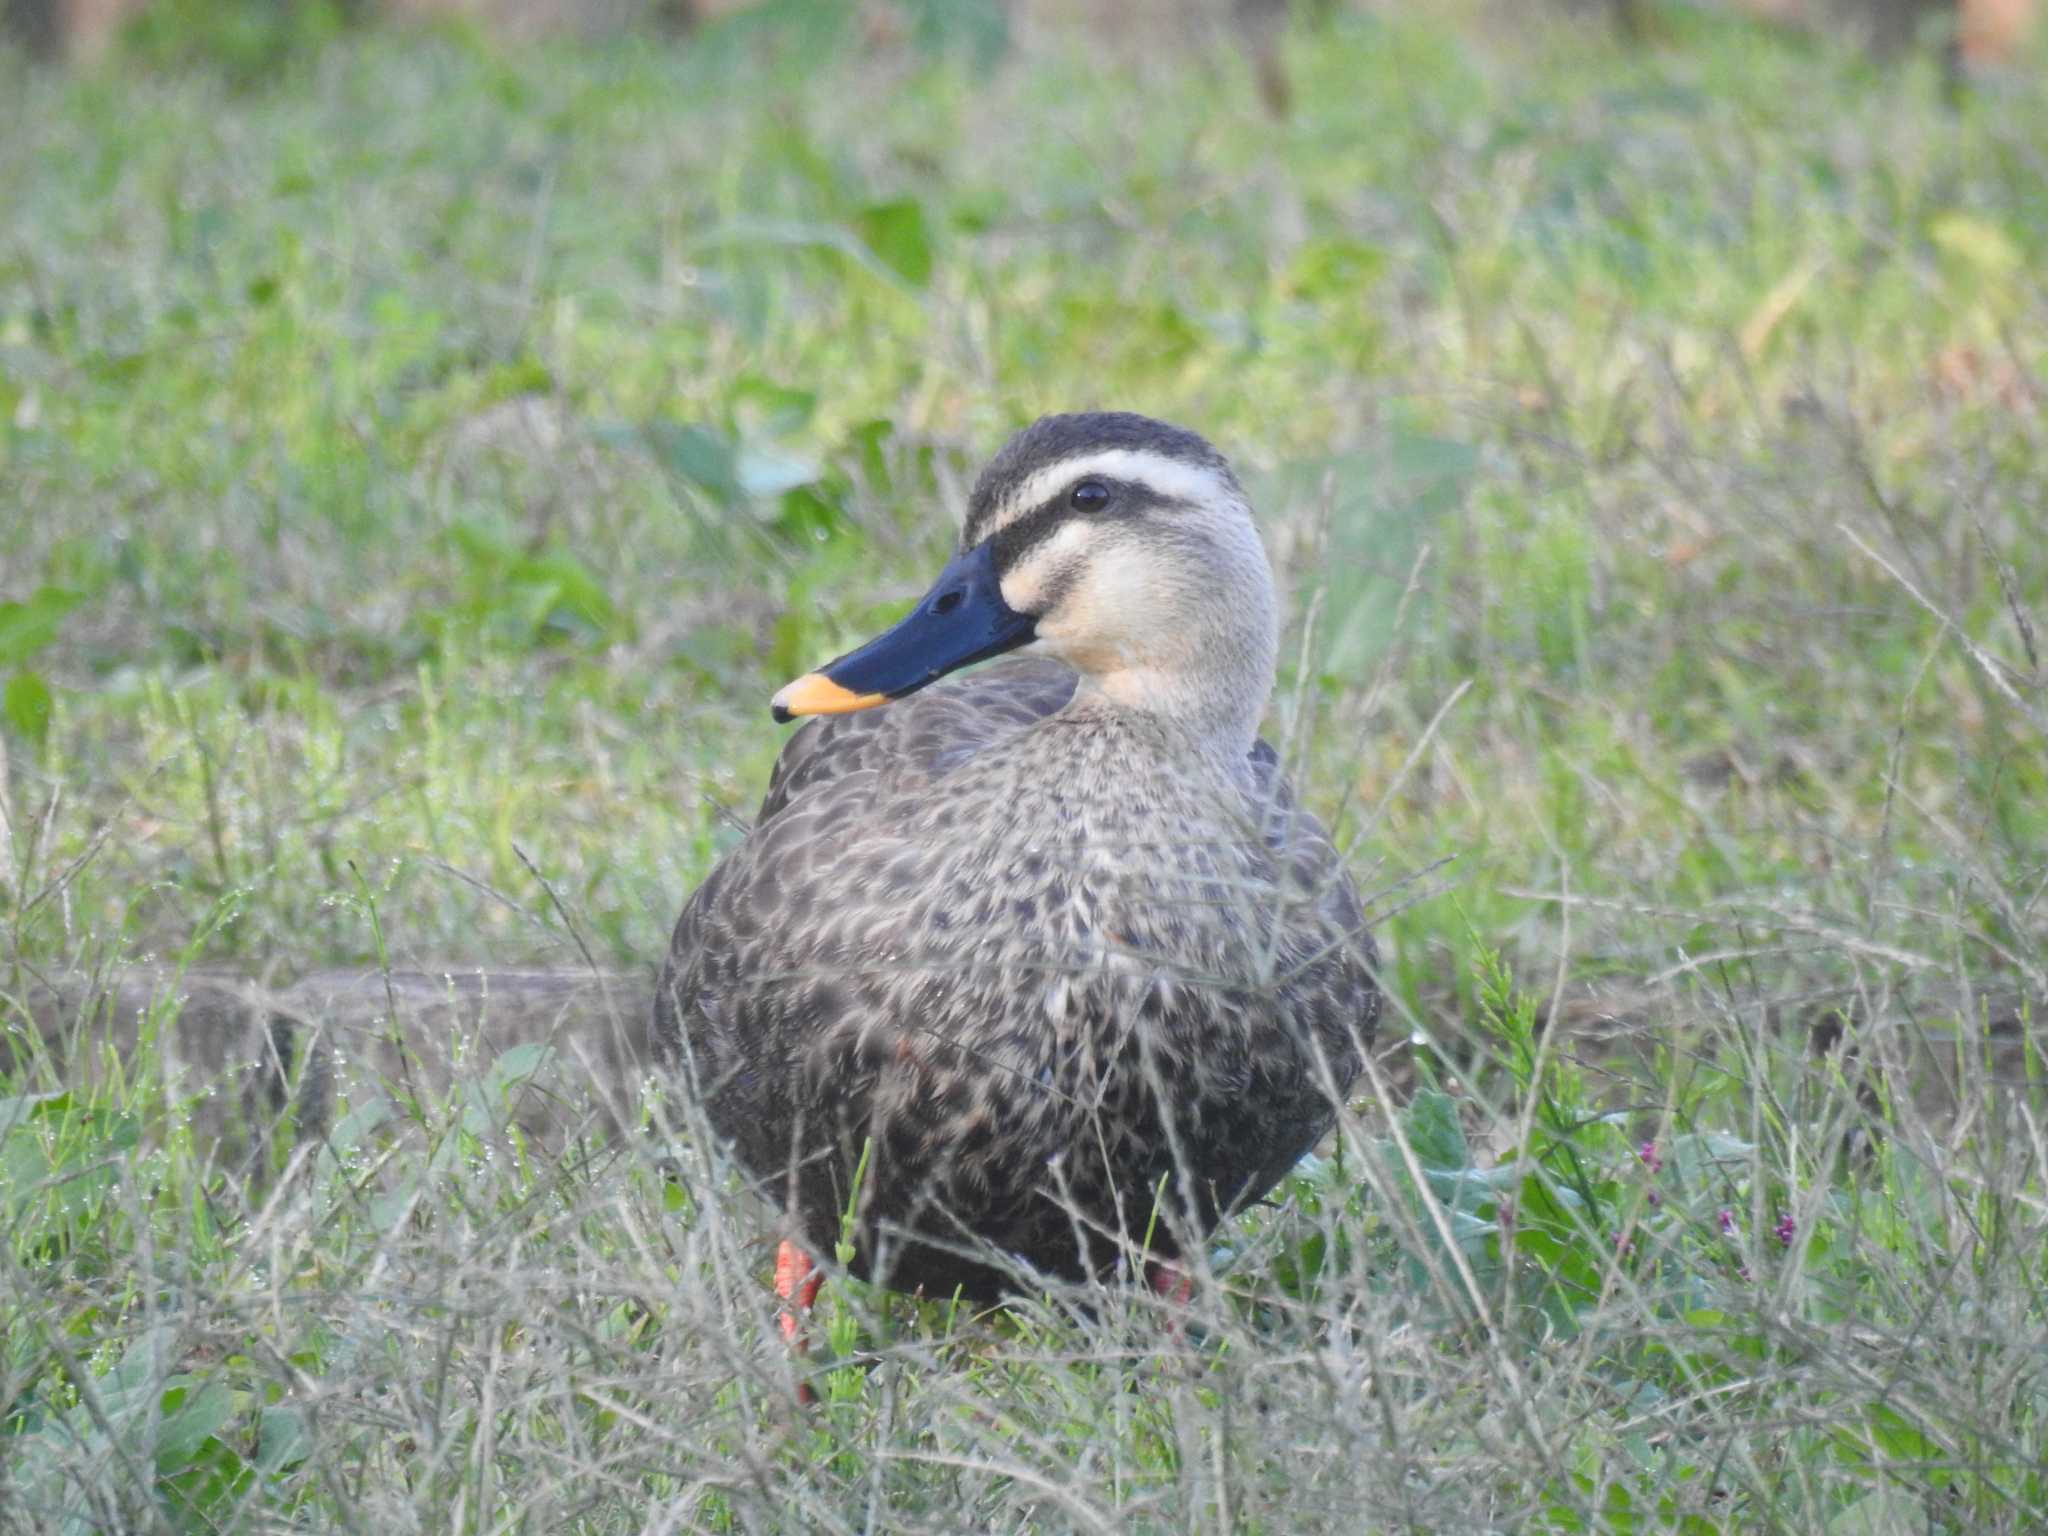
[{"x": 422, "y": 460}]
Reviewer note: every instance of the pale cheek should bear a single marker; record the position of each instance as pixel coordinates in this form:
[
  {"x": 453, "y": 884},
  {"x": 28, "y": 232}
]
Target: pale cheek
[
  {"x": 1024, "y": 591},
  {"x": 1109, "y": 612},
  {"x": 1107, "y": 620},
  {"x": 1026, "y": 584}
]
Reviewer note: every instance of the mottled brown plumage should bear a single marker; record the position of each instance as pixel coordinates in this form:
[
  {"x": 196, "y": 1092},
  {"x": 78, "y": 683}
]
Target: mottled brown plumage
[{"x": 1045, "y": 950}]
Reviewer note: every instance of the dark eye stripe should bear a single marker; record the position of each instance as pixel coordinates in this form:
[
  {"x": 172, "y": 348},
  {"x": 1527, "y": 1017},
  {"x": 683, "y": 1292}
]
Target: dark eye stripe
[{"x": 1024, "y": 534}]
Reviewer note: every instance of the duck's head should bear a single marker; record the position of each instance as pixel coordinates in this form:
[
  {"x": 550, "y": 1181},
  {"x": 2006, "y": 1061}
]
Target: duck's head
[{"x": 1119, "y": 544}]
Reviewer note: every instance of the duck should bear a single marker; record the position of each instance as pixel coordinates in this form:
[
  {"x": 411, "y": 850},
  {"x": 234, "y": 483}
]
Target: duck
[{"x": 1038, "y": 971}]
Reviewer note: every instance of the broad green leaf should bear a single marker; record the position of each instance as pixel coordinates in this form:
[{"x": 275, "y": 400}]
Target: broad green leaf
[
  {"x": 1884, "y": 1512},
  {"x": 560, "y": 592},
  {"x": 26, "y": 703},
  {"x": 21, "y": 1107},
  {"x": 766, "y": 472},
  {"x": 980, "y": 28},
  {"x": 356, "y": 1127},
  {"x": 770, "y": 409},
  {"x": 191, "y": 1418},
  {"x": 1434, "y": 1131},
  {"x": 896, "y": 233},
  {"x": 698, "y": 455},
  {"x": 517, "y": 1065},
  {"x": 133, "y": 1382},
  {"x": 283, "y": 1438},
  {"x": 209, "y": 1488},
  {"x": 27, "y": 627}
]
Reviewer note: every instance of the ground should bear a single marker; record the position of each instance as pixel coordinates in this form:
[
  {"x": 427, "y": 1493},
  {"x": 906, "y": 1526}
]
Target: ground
[{"x": 422, "y": 459}]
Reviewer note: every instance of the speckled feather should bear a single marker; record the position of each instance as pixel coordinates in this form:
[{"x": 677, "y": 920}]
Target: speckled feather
[{"x": 1037, "y": 955}]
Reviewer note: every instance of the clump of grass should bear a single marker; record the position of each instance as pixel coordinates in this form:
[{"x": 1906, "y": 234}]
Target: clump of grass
[{"x": 1519, "y": 1307}]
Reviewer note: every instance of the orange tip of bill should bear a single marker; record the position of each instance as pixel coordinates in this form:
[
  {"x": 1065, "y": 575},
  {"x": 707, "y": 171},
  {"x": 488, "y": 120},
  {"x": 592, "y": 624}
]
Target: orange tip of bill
[{"x": 816, "y": 694}]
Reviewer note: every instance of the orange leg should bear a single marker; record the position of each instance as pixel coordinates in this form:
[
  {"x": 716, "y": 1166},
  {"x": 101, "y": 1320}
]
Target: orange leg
[
  {"x": 1169, "y": 1281},
  {"x": 796, "y": 1281},
  {"x": 1176, "y": 1287}
]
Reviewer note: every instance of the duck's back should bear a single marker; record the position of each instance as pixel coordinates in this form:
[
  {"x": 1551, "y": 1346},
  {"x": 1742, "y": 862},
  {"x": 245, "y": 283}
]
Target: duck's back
[
  {"x": 921, "y": 738},
  {"x": 1032, "y": 967}
]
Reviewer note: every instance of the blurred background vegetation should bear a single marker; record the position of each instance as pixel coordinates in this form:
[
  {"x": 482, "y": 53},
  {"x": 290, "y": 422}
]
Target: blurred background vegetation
[
  {"x": 428, "y": 438},
  {"x": 422, "y": 444}
]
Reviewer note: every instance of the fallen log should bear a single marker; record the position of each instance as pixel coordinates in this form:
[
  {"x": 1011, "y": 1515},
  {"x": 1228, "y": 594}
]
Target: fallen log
[{"x": 249, "y": 1068}]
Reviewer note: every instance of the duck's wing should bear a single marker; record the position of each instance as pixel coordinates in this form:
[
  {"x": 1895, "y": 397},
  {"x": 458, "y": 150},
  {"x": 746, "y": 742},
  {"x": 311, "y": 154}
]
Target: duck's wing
[
  {"x": 923, "y": 736},
  {"x": 1328, "y": 964}
]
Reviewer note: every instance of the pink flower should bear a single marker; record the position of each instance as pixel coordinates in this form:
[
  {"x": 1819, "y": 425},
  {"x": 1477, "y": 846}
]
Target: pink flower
[
  {"x": 1727, "y": 1220},
  {"x": 1649, "y": 1154},
  {"x": 1785, "y": 1230}
]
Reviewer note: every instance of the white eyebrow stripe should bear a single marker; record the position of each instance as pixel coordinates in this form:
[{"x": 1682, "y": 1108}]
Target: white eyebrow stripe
[{"x": 1175, "y": 479}]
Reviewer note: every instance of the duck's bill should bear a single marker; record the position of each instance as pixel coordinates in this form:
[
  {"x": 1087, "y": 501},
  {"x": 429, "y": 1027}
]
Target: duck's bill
[{"x": 962, "y": 620}]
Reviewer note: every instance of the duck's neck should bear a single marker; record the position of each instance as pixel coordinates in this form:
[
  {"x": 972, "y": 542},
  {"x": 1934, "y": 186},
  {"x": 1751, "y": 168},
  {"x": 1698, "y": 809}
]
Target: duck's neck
[{"x": 1207, "y": 698}]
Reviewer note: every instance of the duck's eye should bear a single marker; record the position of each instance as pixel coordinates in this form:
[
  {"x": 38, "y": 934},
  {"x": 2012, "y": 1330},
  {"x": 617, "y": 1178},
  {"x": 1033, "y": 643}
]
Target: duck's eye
[{"x": 1088, "y": 496}]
